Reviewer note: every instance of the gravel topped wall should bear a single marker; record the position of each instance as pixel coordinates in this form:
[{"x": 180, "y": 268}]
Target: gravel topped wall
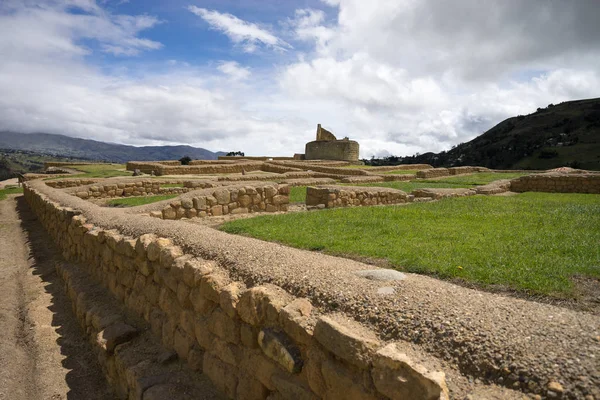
[
  {"x": 346, "y": 196},
  {"x": 537, "y": 348},
  {"x": 558, "y": 183},
  {"x": 466, "y": 170},
  {"x": 253, "y": 342},
  {"x": 72, "y": 182}
]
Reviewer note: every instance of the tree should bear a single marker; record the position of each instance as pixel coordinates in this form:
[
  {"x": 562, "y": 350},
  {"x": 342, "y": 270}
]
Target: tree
[
  {"x": 235, "y": 153},
  {"x": 185, "y": 160}
]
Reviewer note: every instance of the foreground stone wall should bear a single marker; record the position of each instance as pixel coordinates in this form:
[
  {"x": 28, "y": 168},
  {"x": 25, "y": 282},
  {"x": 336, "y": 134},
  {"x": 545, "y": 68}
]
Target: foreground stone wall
[
  {"x": 346, "y": 196},
  {"x": 228, "y": 200},
  {"x": 558, "y": 183},
  {"x": 252, "y": 342}
]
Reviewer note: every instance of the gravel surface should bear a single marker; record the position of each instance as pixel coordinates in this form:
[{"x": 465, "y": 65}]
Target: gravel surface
[{"x": 489, "y": 337}]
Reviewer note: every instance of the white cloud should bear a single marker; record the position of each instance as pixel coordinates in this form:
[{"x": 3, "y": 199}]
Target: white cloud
[
  {"x": 234, "y": 70},
  {"x": 248, "y": 34},
  {"x": 399, "y": 76}
]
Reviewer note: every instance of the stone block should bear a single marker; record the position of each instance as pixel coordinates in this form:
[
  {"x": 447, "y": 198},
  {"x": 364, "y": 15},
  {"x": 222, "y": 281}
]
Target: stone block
[
  {"x": 155, "y": 247},
  {"x": 292, "y": 388},
  {"x": 211, "y": 286},
  {"x": 294, "y": 320},
  {"x": 346, "y": 339},
  {"x": 229, "y": 297},
  {"x": 114, "y": 335},
  {"x": 222, "y": 196},
  {"x": 194, "y": 269},
  {"x": 395, "y": 375},
  {"x": 260, "y": 305},
  {"x": 251, "y": 389},
  {"x": 220, "y": 374},
  {"x": 168, "y": 255},
  {"x": 343, "y": 385},
  {"x": 223, "y": 326}
]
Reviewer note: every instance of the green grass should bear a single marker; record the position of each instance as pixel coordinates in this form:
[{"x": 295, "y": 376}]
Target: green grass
[
  {"x": 481, "y": 178},
  {"x": 138, "y": 201},
  {"x": 532, "y": 242},
  {"x": 298, "y": 194},
  {"x": 10, "y": 190},
  {"x": 409, "y": 186},
  {"x": 97, "y": 171}
]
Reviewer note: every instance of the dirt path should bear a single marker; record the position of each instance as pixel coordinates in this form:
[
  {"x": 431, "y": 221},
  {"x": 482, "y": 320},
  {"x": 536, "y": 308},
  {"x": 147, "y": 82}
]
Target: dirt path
[
  {"x": 43, "y": 353},
  {"x": 7, "y": 182}
]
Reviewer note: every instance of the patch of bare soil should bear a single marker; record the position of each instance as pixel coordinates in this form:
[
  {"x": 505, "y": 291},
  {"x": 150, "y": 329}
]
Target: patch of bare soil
[{"x": 43, "y": 353}]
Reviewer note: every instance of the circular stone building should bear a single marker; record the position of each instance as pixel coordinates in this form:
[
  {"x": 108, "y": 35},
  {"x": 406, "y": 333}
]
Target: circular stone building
[{"x": 327, "y": 147}]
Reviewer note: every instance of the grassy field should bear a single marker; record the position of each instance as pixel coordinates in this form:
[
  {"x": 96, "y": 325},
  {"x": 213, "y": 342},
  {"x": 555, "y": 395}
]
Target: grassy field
[
  {"x": 481, "y": 178},
  {"x": 138, "y": 201},
  {"x": 298, "y": 194},
  {"x": 532, "y": 242},
  {"x": 10, "y": 190},
  {"x": 97, "y": 171}
]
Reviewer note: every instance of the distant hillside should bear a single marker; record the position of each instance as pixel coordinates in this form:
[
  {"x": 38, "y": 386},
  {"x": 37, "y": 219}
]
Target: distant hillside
[
  {"x": 65, "y": 146},
  {"x": 566, "y": 134}
]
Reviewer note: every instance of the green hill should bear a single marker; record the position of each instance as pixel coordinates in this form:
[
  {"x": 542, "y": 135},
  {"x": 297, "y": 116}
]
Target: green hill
[{"x": 566, "y": 134}]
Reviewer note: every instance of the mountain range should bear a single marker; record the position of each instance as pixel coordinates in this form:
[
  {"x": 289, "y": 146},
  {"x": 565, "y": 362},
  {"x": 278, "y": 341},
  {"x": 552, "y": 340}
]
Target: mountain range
[
  {"x": 565, "y": 134},
  {"x": 85, "y": 149}
]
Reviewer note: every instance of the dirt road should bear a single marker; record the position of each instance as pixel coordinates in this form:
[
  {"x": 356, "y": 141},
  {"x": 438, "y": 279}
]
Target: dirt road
[{"x": 43, "y": 354}]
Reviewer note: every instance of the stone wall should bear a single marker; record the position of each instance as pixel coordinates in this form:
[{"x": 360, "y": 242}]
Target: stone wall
[
  {"x": 466, "y": 170},
  {"x": 345, "y": 150},
  {"x": 147, "y": 187},
  {"x": 346, "y": 196},
  {"x": 415, "y": 167},
  {"x": 253, "y": 342},
  {"x": 228, "y": 200},
  {"x": 67, "y": 183},
  {"x": 432, "y": 173},
  {"x": 203, "y": 167},
  {"x": 327, "y": 169},
  {"x": 557, "y": 182},
  {"x": 65, "y": 163}
]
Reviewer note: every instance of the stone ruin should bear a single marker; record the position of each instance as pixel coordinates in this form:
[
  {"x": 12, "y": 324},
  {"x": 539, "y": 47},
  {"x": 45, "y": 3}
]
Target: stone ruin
[{"x": 328, "y": 147}]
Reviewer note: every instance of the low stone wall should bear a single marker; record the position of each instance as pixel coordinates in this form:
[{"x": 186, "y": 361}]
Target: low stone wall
[
  {"x": 432, "y": 173},
  {"x": 253, "y": 177},
  {"x": 442, "y": 193},
  {"x": 228, "y": 200},
  {"x": 557, "y": 182},
  {"x": 148, "y": 167},
  {"x": 67, "y": 183},
  {"x": 208, "y": 169},
  {"x": 346, "y": 196},
  {"x": 363, "y": 179},
  {"x": 65, "y": 163},
  {"x": 398, "y": 177},
  {"x": 278, "y": 168},
  {"x": 146, "y": 187},
  {"x": 252, "y": 342},
  {"x": 261, "y": 158},
  {"x": 309, "y": 181},
  {"x": 466, "y": 170},
  {"x": 415, "y": 167}
]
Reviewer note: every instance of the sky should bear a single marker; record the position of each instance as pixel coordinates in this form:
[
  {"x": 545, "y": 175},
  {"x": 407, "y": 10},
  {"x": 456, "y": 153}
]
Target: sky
[{"x": 398, "y": 76}]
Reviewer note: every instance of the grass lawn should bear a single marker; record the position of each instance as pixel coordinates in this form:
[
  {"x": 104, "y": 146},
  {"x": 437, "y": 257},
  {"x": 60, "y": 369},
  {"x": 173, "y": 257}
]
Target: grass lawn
[
  {"x": 97, "y": 171},
  {"x": 138, "y": 201},
  {"x": 481, "y": 178},
  {"x": 298, "y": 194},
  {"x": 9, "y": 190},
  {"x": 531, "y": 242}
]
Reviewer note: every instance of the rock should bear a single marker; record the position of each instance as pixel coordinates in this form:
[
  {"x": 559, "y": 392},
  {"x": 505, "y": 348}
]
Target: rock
[
  {"x": 115, "y": 335},
  {"x": 137, "y": 172},
  {"x": 396, "y": 376},
  {"x": 280, "y": 349},
  {"x": 555, "y": 387},
  {"x": 381, "y": 274},
  {"x": 347, "y": 340},
  {"x": 166, "y": 357}
]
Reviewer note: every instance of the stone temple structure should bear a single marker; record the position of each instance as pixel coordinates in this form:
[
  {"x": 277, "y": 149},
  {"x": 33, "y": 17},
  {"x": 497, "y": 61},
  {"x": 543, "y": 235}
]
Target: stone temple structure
[{"x": 328, "y": 147}]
